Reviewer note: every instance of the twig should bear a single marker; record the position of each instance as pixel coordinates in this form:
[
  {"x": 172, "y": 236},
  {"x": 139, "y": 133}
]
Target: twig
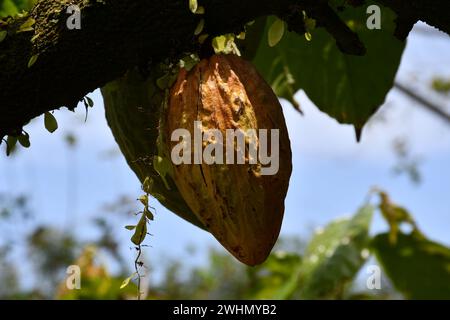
[{"x": 423, "y": 102}]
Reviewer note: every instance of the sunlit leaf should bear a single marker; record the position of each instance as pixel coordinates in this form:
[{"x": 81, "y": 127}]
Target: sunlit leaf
[
  {"x": 144, "y": 199},
  {"x": 147, "y": 185},
  {"x": 27, "y": 25},
  {"x": 348, "y": 88},
  {"x": 126, "y": 282},
  {"x": 332, "y": 258},
  {"x": 193, "y": 6},
  {"x": 148, "y": 214}
]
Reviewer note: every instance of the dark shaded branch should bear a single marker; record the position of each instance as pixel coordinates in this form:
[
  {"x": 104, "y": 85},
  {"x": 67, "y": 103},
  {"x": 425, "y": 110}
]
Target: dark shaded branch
[{"x": 117, "y": 35}]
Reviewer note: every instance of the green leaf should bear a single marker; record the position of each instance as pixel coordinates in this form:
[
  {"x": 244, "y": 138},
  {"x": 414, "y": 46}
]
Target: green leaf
[
  {"x": 200, "y": 27},
  {"x": 200, "y": 10},
  {"x": 3, "y": 35},
  {"x": 148, "y": 214},
  {"x": 8, "y": 8},
  {"x": 189, "y": 62},
  {"x": 32, "y": 60},
  {"x": 130, "y": 227},
  {"x": 126, "y": 282},
  {"x": 225, "y": 44},
  {"x": 273, "y": 274},
  {"x": 140, "y": 231},
  {"x": 144, "y": 199},
  {"x": 10, "y": 144},
  {"x": 276, "y": 32},
  {"x": 334, "y": 256},
  {"x": 89, "y": 102},
  {"x": 27, "y": 25},
  {"x": 219, "y": 43},
  {"x": 394, "y": 216},
  {"x": 24, "y": 140},
  {"x": 50, "y": 122},
  {"x": 193, "y": 6},
  {"x": 417, "y": 267},
  {"x": 348, "y": 88},
  {"x": 147, "y": 185}
]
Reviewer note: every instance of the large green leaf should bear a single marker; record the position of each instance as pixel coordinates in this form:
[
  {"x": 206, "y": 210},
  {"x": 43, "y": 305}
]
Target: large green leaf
[
  {"x": 13, "y": 7},
  {"x": 348, "y": 88},
  {"x": 332, "y": 258},
  {"x": 8, "y": 8},
  {"x": 335, "y": 255},
  {"x": 418, "y": 268}
]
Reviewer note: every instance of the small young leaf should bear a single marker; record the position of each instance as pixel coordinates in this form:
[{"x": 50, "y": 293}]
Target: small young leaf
[
  {"x": 147, "y": 186},
  {"x": 24, "y": 140},
  {"x": 189, "y": 62},
  {"x": 10, "y": 144},
  {"x": 50, "y": 122},
  {"x": 276, "y": 32},
  {"x": 200, "y": 27},
  {"x": 241, "y": 36},
  {"x": 193, "y": 6},
  {"x": 32, "y": 60},
  {"x": 308, "y": 36},
  {"x": 148, "y": 214},
  {"x": 200, "y": 10},
  {"x": 130, "y": 227},
  {"x": 202, "y": 38},
  {"x": 27, "y": 25},
  {"x": 89, "y": 101},
  {"x": 140, "y": 232},
  {"x": 3, "y": 35},
  {"x": 219, "y": 43},
  {"x": 310, "y": 24},
  {"x": 144, "y": 200},
  {"x": 127, "y": 281}
]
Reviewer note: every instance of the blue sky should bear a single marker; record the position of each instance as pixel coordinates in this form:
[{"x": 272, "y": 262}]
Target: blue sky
[{"x": 331, "y": 177}]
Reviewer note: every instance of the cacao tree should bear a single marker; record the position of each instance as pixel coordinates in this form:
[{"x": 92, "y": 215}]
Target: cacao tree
[{"x": 162, "y": 65}]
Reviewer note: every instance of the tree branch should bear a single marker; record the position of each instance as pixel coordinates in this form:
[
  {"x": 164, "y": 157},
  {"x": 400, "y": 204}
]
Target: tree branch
[
  {"x": 423, "y": 102},
  {"x": 117, "y": 35}
]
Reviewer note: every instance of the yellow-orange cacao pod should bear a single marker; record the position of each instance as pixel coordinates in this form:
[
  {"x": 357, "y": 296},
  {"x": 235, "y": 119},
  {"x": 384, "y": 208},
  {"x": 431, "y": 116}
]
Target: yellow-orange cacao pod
[{"x": 239, "y": 205}]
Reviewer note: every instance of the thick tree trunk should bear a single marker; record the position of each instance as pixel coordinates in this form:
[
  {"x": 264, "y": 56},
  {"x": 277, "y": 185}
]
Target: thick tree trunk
[{"x": 119, "y": 34}]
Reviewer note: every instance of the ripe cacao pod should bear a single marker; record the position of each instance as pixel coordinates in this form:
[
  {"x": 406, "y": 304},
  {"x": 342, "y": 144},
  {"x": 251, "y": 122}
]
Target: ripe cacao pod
[
  {"x": 241, "y": 207},
  {"x": 132, "y": 109}
]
